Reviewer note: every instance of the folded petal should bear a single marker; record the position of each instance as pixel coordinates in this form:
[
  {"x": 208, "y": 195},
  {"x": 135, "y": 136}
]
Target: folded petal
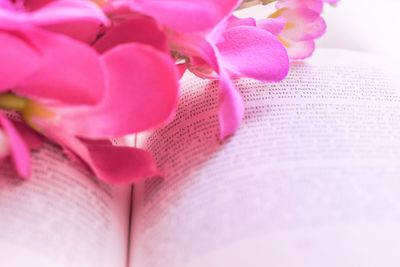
[
  {"x": 32, "y": 139},
  {"x": 231, "y": 109},
  {"x": 254, "y": 53},
  {"x": 299, "y": 50},
  {"x": 142, "y": 93},
  {"x": 19, "y": 149},
  {"x": 78, "y": 19},
  {"x": 121, "y": 165},
  {"x": 234, "y": 21},
  {"x": 112, "y": 164},
  {"x": 301, "y": 28},
  {"x": 18, "y": 60},
  {"x": 188, "y": 15},
  {"x": 81, "y": 20},
  {"x": 59, "y": 11},
  {"x": 274, "y": 26},
  {"x": 138, "y": 29},
  {"x": 181, "y": 69},
  {"x": 71, "y": 72}
]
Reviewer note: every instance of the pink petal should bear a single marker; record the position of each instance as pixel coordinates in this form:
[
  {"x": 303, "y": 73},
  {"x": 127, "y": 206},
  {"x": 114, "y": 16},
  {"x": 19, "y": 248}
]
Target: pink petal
[
  {"x": 121, "y": 165},
  {"x": 299, "y": 50},
  {"x": 274, "y": 26},
  {"x": 79, "y": 19},
  {"x": 6, "y": 4},
  {"x": 181, "y": 69},
  {"x": 188, "y": 15},
  {"x": 19, "y": 149},
  {"x": 142, "y": 93},
  {"x": 235, "y": 21},
  {"x": 60, "y": 11},
  {"x": 254, "y": 53},
  {"x": 18, "y": 60},
  {"x": 112, "y": 164},
  {"x": 138, "y": 29},
  {"x": 72, "y": 72},
  {"x": 302, "y": 28},
  {"x": 315, "y": 5},
  {"x": 85, "y": 32},
  {"x": 231, "y": 109},
  {"x": 32, "y": 139},
  {"x": 31, "y": 5}
]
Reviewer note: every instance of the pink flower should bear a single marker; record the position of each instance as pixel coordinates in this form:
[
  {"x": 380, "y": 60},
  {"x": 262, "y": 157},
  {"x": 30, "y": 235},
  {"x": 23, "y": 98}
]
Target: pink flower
[
  {"x": 297, "y": 26},
  {"x": 214, "y": 46},
  {"x": 67, "y": 91},
  {"x": 235, "y": 48}
]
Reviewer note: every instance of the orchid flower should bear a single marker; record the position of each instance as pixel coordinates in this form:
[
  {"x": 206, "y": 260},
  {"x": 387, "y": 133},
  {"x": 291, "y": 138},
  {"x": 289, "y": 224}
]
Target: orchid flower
[
  {"x": 233, "y": 49},
  {"x": 67, "y": 91},
  {"x": 236, "y": 48},
  {"x": 81, "y": 72},
  {"x": 213, "y": 47},
  {"x": 299, "y": 27}
]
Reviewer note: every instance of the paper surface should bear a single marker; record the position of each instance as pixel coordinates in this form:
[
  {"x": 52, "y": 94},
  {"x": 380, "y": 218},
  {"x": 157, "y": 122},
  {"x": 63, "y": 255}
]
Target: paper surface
[
  {"x": 310, "y": 179},
  {"x": 62, "y": 216}
]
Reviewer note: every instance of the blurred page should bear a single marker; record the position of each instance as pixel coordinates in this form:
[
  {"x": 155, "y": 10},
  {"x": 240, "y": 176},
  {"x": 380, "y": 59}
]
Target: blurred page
[
  {"x": 61, "y": 216},
  {"x": 310, "y": 179}
]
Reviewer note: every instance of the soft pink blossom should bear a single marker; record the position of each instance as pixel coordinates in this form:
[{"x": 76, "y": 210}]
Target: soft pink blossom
[
  {"x": 69, "y": 91},
  {"x": 235, "y": 48},
  {"x": 297, "y": 28}
]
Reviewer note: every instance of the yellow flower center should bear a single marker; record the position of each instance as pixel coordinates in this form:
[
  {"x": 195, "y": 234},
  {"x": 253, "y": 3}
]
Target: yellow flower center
[{"x": 27, "y": 108}]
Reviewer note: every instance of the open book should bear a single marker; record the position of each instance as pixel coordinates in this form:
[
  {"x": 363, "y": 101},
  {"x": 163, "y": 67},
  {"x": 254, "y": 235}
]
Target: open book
[{"x": 312, "y": 178}]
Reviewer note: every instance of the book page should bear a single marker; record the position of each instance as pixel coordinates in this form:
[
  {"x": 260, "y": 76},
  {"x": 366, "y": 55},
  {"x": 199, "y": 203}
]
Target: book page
[
  {"x": 310, "y": 179},
  {"x": 61, "y": 216}
]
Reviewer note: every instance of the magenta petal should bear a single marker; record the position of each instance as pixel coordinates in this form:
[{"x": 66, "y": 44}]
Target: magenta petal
[
  {"x": 32, "y": 139},
  {"x": 254, "y": 53},
  {"x": 181, "y": 69},
  {"x": 18, "y": 61},
  {"x": 60, "y": 11},
  {"x": 19, "y": 149},
  {"x": 188, "y": 15},
  {"x": 142, "y": 93},
  {"x": 112, "y": 164},
  {"x": 231, "y": 109},
  {"x": 72, "y": 72},
  {"x": 138, "y": 29},
  {"x": 235, "y": 21},
  {"x": 81, "y": 20},
  {"x": 78, "y": 19},
  {"x": 121, "y": 165}
]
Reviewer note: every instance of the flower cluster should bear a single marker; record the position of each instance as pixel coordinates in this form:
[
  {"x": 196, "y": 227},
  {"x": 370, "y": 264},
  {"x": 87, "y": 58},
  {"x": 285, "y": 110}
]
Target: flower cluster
[{"x": 81, "y": 72}]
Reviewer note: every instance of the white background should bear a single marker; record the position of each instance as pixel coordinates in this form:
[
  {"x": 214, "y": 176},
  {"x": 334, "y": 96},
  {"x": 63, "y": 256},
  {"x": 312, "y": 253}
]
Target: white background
[{"x": 363, "y": 25}]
